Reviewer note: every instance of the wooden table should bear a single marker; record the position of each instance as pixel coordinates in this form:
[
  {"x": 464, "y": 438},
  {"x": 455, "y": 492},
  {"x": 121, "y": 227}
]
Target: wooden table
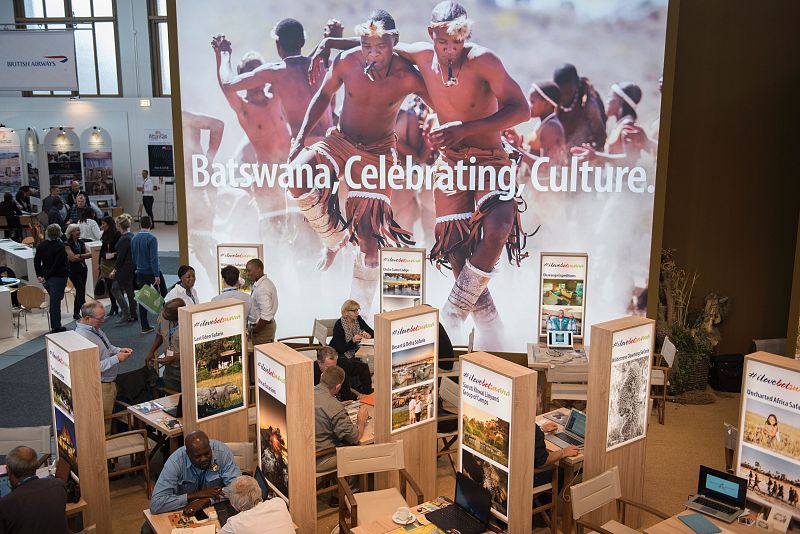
[
  {"x": 570, "y": 466},
  {"x": 385, "y": 524},
  {"x": 369, "y": 431},
  {"x": 154, "y": 423},
  {"x": 161, "y": 525},
  {"x": 675, "y": 526}
]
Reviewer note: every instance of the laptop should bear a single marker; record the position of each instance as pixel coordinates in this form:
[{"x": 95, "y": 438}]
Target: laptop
[
  {"x": 469, "y": 514},
  {"x": 719, "y": 494},
  {"x": 559, "y": 339},
  {"x": 177, "y": 410},
  {"x": 574, "y": 431},
  {"x": 5, "y": 483}
]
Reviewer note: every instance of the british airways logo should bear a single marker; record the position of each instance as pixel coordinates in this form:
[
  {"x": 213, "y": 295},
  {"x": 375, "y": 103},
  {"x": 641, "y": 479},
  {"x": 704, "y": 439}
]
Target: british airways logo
[
  {"x": 61, "y": 59},
  {"x": 48, "y": 61}
]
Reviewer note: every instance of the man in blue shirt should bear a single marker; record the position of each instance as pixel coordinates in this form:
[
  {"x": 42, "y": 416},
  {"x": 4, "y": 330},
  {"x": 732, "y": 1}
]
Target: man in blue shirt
[
  {"x": 93, "y": 315},
  {"x": 144, "y": 247},
  {"x": 194, "y": 476}
]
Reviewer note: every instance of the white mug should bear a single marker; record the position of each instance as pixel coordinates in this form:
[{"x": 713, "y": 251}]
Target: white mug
[{"x": 403, "y": 514}]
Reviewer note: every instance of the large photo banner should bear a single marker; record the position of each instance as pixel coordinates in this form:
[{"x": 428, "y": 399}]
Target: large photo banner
[
  {"x": 273, "y": 429},
  {"x": 63, "y": 148},
  {"x": 10, "y": 169},
  {"x": 629, "y": 389},
  {"x": 98, "y": 171},
  {"x": 569, "y": 166},
  {"x": 61, "y": 399}
]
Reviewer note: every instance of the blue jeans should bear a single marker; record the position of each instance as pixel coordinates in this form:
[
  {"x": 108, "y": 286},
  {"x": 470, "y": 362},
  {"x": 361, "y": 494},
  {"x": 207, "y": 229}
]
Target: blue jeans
[
  {"x": 55, "y": 288},
  {"x": 141, "y": 281}
]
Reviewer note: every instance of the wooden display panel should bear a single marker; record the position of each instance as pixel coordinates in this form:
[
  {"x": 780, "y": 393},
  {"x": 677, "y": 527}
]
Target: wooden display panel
[
  {"x": 296, "y": 420},
  {"x": 409, "y": 263},
  {"x": 74, "y": 369},
  {"x": 520, "y": 409},
  {"x": 201, "y": 323},
  {"x": 604, "y": 446},
  {"x": 419, "y": 439}
]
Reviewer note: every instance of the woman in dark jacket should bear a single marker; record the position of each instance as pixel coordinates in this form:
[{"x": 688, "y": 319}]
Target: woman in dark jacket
[
  {"x": 348, "y": 332},
  {"x": 77, "y": 254},
  {"x": 123, "y": 270},
  {"x": 10, "y": 210},
  {"x": 108, "y": 254}
]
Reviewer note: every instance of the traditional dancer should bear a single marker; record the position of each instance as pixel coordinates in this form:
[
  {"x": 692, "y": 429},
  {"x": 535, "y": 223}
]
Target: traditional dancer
[{"x": 580, "y": 109}]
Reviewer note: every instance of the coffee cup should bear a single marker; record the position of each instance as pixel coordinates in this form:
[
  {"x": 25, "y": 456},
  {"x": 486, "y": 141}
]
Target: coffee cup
[{"x": 403, "y": 514}]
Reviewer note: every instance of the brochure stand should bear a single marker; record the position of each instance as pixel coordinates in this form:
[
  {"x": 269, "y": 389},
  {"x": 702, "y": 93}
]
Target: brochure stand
[
  {"x": 213, "y": 345},
  {"x": 286, "y": 429},
  {"x": 406, "y": 348},
  {"x": 618, "y": 407},
  {"x": 75, "y": 394}
]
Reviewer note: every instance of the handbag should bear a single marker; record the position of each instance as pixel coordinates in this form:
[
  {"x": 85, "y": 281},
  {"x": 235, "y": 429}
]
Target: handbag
[
  {"x": 149, "y": 298},
  {"x": 100, "y": 287}
]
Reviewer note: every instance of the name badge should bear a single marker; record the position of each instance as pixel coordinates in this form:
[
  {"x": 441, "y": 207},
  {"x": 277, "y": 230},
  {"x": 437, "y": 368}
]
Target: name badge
[{"x": 170, "y": 353}]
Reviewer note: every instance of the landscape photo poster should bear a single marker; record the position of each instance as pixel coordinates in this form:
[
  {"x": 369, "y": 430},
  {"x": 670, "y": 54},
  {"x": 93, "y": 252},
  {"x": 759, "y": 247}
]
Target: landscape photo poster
[
  {"x": 273, "y": 428},
  {"x": 569, "y": 198},
  {"x": 485, "y": 431},
  {"x": 98, "y": 170},
  {"x": 219, "y": 361},
  {"x": 61, "y": 399},
  {"x": 63, "y": 149},
  {"x": 402, "y": 278},
  {"x": 238, "y": 255},
  {"x": 769, "y": 433},
  {"x": 562, "y": 301},
  {"x": 414, "y": 347},
  {"x": 629, "y": 388},
  {"x": 10, "y": 168}
]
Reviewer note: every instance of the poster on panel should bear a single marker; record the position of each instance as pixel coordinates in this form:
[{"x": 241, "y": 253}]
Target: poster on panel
[
  {"x": 629, "y": 387},
  {"x": 237, "y": 255},
  {"x": 219, "y": 361},
  {"x": 61, "y": 399},
  {"x": 586, "y": 179},
  {"x": 562, "y": 301},
  {"x": 38, "y": 60},
  {"x": 63, "y": 150},
  {"x": 486, "y": 400},
  {"x": 31, "y": 149},
  {"x": 769, "y": 435},
  {"x": 159, "y": 152},
  {"x": 10, "y": 169},
  {"x": 273, "y": 429},
  {"x": 402, "y": 279},
  {"x": 98, "y": 171},
  {"x": 414, "y": 345}
]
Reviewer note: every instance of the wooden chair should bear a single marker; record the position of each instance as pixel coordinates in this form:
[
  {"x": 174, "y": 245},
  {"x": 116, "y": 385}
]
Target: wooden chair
[
  {"x": 244, "y": 456},
  {"x": 325, "y": 480},
  {"x": 35, "y": 437},
  {"x": 456, "y": 370},
  {"x": 599, "y": 491},
  {"x": 548, "y": 487},
  {"x": 31, "y": 298},
  {"x": 446, "y": 432},
  {"x": 659, "y": 377},
  {"x": 133, "y": 443},
  {"x": 367, "y": 506},
  {"x": 568, "y": 381}
]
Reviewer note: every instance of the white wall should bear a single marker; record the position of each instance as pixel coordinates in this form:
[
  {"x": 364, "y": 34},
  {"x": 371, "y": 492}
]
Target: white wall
[{"x": 126, "y": 122}]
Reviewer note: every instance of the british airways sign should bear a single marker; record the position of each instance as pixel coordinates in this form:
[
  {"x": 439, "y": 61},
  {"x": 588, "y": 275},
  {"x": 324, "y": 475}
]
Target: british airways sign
[{"x": 33, "y": 60}]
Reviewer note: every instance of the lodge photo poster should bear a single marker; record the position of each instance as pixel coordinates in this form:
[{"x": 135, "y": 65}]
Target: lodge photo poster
[
  {"x": 486, "y": 402},
  {"x": 598, "y": 201},
  {"x": 63, "y": 149},
  {"x": 98, "y": 170},
  {"x": 414, "y": 346},
  {"x": 562, "y": 299},
  {"x": 61, "y": 399},
  {"x": 769, "y": 434},
  {"x": 273, "y": 429},
  {"x": 10, "y": 168},
  {"x": 629, "y": 388},
  {"x": 238, "y": 255},
  {"x": 219, "y": 361},
  {"x": 402, "y": 278}
]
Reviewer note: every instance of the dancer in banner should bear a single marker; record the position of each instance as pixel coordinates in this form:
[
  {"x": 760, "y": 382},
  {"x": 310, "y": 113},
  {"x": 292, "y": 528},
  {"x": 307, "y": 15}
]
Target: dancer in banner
[
  {"x": 580, "y": 109},
  {"x": 376, "y": 82},
  {"x": 261, "y": 117},
  {"x": 548, "y": 140}
]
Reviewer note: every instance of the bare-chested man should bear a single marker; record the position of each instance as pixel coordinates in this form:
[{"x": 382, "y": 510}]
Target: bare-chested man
[
  {"x": 476, "y": 100},
  {"x": 547, "y": 141},
  {"x": 376, "y": 82},
  {"x": 262, "y": 118},
  {"x": 580, "y": 109}
]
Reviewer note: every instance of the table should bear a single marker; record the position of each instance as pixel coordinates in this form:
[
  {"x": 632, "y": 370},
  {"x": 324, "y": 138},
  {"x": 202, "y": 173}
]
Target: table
[
  {"x": 6, "y": 317},
  {"x": 154, "y": 422},
  {"x": 385, "y": 524},
  {"x": 19, "y": 257},
  {"x": 675, "y": 526},
  {"x": 161, "y": 525},
  {"x": 570, "y": 466}
]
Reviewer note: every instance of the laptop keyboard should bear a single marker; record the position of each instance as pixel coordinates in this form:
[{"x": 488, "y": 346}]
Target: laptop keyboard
[
  {"x": 453, "y": 517},
  {"x": 569, "y": 439},
  {"x": 715, "y": 505}
]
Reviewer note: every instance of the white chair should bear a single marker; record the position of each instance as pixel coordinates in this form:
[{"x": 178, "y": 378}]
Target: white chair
[
  {"x": 568, "y": 381},
  {"x": 456, "y": 370},
  {"x": 244, "y": 455},
  {"x": 35, "y": 437},
  {"x": 450, "y": 393},
  {"x": 321, "y": 331},
  {"x": 659, "y": 377}
]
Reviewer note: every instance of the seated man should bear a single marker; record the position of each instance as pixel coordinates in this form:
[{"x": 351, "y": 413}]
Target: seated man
[
  {"x": 254, "y": 514},
  {"x": 326, "y": 357},
  {"x": 332, "y": 425},
  {"x": 34, "y": 504},
  {"x": 194, "y": 476}
]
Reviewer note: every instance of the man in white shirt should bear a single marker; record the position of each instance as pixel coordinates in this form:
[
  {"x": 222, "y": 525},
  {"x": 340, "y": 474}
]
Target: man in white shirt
[
  {"x": 255, "y": 515},
  {"x": 230, "y": 288},
  {"x": 147, "y": 194},
  {"x": 265, "y": 303}
]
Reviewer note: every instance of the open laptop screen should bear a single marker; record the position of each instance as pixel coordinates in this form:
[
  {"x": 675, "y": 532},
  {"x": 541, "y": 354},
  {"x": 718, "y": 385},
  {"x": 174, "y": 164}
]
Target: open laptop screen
[
  {"x": 577, "y": 423},
  {"x": 722, "y": 486},
  {"x": 473, "y": 498},
  {"x": 559, "y": 339}
]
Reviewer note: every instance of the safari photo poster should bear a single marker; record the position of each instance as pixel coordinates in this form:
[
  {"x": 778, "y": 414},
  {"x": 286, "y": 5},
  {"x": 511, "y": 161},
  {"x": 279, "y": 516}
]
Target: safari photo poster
[
  {"x": 629, "y": 389},
  {"x": 485, "y": 431},
  {"x": 402, "y": 278},
  {"x": 414, "y": 347},
  {"x": 235, "y": 152},
  {"x": 61, "y": 399},
  {"x": 219, "y": 352},
  {"x": 273, "y": 428},
  {"x": 769, "y": 434},
  {"x": 238, "y": 255},
  {"x": 562, "y": 293}
]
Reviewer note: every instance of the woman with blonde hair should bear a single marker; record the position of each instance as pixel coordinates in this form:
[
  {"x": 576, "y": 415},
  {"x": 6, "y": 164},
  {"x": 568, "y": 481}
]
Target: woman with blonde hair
[
  {"x": 123, "y": 270},
  {"x": 77, "y": 256},
  {"x": 348, "y": 332}
]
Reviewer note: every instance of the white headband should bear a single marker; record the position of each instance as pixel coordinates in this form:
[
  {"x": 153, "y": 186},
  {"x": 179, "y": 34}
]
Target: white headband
[
  {"x": 617, "y": 90},
  {"x": 541, "y": 93},
  {"x": 373, "y": 28},
  {"x": 459, "y": 28}
]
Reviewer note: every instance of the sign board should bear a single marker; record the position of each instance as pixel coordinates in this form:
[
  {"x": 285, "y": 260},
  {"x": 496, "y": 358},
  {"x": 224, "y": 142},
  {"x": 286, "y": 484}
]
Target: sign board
[
  {"x": 33, "y": 60},
  {"x": 63, "y": 157},
  {"x": 273, "y": 430},
  {"x": 238, "y": 255},
  {"x": 402, "y": 278},
  {"x": 10, "y": 169},
  {"x": 98, "y": 171},
  {"x": 629, "y": 389},
  {"x": 159, "y": 152},
  {"x": 562, "y": 297}
]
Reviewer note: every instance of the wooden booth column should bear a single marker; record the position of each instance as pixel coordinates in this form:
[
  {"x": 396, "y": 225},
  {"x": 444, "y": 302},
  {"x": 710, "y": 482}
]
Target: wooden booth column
[
  {"x": 75, "y": 393},
  {"x": 285, "y": 408},
  {"x": 618, "y": 407}
]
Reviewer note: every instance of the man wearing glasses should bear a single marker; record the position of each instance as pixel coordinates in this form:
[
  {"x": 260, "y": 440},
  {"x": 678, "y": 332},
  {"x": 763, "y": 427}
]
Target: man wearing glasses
[{"x": 93, "y": 315}]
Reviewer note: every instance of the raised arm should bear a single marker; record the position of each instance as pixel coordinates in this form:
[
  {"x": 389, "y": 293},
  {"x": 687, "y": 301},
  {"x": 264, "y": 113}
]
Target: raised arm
[
  {"x": 250, "y": 80},
  {"x": 215, "y": 127},
  {"x": 222, "y": 55},
  {"x": 318, "y": 105}
]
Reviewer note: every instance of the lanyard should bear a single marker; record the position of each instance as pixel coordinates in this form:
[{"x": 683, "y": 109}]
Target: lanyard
[
  {"x": 99, "y": 334},
  {"x": 171, "y": 331},
  {"x": 188, "y": 294}
]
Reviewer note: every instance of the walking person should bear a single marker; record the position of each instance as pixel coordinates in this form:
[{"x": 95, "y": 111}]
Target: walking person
[
  {"x": 50, "y": 262},
  {"x": 123, "y": 272},
  {"x": 77, "y": 256},
  {"x": 146, "y": 190},
  {"x": 144, "y": 246},
  {"x": 108, "y": 254}
]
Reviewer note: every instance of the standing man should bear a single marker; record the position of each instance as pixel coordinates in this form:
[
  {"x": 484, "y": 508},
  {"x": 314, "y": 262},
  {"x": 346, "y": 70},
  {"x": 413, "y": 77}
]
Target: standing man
[
  {"x": 580, "y": 109},
  {"x": 74, "y": 190},
  {"x": 47, "y": 203},
  {"x": 34, "y": 504},
  {"x": 93, "y": 315},
  {"x": 146, "y": 190},
  {"x": 265, "y": 304},
  {"x": 230, "y": 288},
  {"x": 52, "y": 270},
  {"x": 167, "y": 333},
  {"x": 144, "y": 247}
]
